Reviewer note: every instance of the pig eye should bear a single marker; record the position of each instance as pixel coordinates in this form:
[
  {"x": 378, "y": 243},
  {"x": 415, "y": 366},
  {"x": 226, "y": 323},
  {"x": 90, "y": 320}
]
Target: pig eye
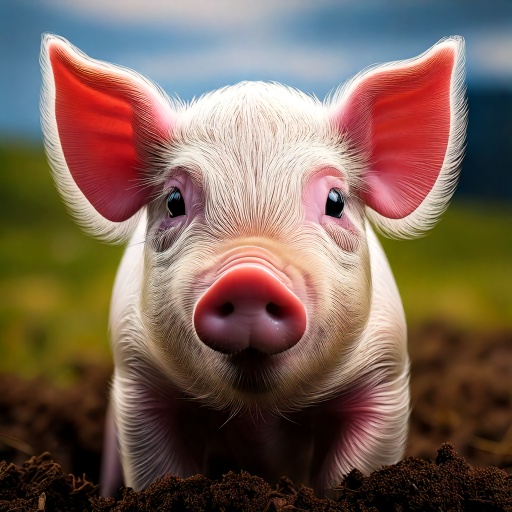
[
  {"x": 335, "y": 203},
  {"x": 175, "y": 203}
]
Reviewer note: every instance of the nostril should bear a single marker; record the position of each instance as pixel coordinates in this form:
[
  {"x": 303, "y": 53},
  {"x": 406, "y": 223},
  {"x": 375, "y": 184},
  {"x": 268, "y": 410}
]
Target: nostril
[
  {"x": 274, "y": 310},
  {"x": 226, "y": 309}
]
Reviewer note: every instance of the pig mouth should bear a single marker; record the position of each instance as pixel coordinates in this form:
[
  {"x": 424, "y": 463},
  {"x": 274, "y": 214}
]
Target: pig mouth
[{"x": 253, "y": 371}]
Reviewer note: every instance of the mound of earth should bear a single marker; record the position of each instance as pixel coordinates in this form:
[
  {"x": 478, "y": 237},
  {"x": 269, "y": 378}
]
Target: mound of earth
[
  {"x": 461, "y": 390},
  {"x": 449, "y": 483}
]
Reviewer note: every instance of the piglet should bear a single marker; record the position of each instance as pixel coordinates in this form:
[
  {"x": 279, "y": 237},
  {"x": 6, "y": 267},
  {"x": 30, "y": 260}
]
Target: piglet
[{"x": 255, "y": 322}]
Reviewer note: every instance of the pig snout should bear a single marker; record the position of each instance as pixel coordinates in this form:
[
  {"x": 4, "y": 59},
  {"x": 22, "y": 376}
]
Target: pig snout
[{"x": 248, "y": 306}]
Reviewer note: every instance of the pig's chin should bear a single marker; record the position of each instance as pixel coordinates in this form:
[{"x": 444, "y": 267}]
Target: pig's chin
[{"x": 252, "y": 371}]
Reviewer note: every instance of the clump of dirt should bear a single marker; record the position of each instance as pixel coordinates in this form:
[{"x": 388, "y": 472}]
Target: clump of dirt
[
  {"x": 461, "y": 390},
  {"x": 40, "y": 484},
  {"x": 448, "y": 483}
]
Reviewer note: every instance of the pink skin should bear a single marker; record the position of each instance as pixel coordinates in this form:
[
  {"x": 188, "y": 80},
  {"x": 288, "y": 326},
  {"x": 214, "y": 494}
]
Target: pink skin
[{"x": 315, "y": 196}]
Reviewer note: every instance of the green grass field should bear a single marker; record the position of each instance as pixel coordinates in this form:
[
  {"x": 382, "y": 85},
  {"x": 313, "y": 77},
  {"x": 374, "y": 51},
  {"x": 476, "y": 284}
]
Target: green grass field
[
  {"x": 55, "y": 282},
  {"x": 462, "y": 271}
]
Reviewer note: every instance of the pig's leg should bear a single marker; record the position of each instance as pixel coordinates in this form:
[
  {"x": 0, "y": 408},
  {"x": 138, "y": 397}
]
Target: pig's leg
[
  {"x": 111, "y": 473},
  {"x": 365, "y": 429},
  {"x": 150, "y": 436}
]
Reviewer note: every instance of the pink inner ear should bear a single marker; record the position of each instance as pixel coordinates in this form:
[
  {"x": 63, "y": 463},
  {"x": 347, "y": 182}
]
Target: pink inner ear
[
  {"x": 104, "y": 121},
  {"x": 402, "y": 116}
]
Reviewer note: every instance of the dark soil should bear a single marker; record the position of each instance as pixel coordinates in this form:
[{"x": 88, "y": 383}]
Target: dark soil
[{"x": 461, "y": 390}]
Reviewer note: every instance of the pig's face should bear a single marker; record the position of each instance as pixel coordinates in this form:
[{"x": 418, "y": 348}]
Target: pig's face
[
  {"x": 254, "y": 185},
  {"x": 257, "y": 189}
]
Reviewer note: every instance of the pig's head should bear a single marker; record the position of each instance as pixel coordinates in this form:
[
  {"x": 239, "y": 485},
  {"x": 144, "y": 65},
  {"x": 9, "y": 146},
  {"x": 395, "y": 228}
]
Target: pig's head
[{"x": 255, "y": 283}]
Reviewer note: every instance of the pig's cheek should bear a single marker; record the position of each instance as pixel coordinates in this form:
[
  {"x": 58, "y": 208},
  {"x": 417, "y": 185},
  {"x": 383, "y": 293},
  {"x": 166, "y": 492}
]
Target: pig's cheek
[
  {"x": 162, "y": 305},
  {"x": 342, "y": 231},
  {"x": 165, "y": 234}
]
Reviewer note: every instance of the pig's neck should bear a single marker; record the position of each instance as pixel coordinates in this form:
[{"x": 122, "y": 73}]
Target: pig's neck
[
  {"x": 267, "y": 445},
  {"x": 303, "y": 445},
  {"x": 296, "y": 445}
]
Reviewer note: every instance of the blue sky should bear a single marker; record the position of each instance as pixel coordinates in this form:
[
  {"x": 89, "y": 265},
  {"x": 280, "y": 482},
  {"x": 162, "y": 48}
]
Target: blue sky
[{"x": 192, "y": 46}]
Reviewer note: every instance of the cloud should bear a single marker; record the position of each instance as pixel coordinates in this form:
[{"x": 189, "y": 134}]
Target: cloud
[
  {"x": 211, "y": 15},
  {"x": 306, "y": 66},
  {"x": 294, "y": 40},
  {"x": 491, "y": 54},
  {"x": 312, "y": 68}
]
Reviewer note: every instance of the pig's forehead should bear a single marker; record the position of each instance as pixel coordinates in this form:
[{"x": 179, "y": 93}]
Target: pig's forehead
[
  {"x": 262, "y": 125},
  {"x": 250, "y": 110}
]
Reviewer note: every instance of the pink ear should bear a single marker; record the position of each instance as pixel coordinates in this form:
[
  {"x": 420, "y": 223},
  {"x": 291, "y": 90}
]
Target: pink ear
[
  {"x": 400, "y": 116},
  {"x": 109, "y": 121}
]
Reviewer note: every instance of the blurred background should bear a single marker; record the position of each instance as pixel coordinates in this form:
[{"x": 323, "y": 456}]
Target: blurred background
[{"x": 55, "y": 282}]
